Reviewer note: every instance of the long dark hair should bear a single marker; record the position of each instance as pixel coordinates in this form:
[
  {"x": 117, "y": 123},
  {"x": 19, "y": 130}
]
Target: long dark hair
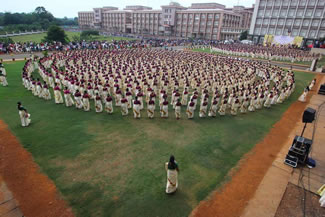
[{"x": 171, "y": 164}]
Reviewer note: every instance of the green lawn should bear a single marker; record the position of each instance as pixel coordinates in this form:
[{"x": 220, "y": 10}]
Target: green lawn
[
  {"x": 38, "y": 37},
  {"x": 109, "y": 165},
  {"x": 207, "y": 50}
]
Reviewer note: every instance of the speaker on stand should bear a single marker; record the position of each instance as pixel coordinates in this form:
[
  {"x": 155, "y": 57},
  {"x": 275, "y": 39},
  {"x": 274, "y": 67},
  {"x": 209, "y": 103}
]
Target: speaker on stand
[{"x": 300, "y": 148}]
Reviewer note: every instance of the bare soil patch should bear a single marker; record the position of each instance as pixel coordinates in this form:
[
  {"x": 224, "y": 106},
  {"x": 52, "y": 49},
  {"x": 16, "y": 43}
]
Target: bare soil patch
[{"x": 36, "y": 193}]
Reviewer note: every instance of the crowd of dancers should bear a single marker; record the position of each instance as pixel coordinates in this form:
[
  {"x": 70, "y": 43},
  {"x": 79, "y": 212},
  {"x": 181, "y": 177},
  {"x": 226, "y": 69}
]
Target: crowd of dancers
[
  {"x": 147, "y": 79},
  {"x": 263, "y": 52},
  {"x": 3, "y": 76}
]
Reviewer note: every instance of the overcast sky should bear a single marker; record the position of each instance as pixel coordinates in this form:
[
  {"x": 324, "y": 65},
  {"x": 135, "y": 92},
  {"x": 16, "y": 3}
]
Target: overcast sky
[{"x": 70, "y": 8}]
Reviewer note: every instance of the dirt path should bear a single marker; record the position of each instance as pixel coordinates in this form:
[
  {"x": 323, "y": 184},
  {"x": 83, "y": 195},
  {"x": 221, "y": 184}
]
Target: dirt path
[
  {"x": 231, "y": 200},
  {"x": 36, "y": 193}
]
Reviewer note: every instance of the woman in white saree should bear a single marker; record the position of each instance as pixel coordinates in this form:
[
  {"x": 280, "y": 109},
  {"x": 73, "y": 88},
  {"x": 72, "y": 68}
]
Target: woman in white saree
[
  {"x": 24, "y": 115},
  {"x": 172, "y": 175}
]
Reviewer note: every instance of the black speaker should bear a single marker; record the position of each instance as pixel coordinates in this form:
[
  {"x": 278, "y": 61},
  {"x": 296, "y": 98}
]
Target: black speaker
[{"x": 309, "y": 115}]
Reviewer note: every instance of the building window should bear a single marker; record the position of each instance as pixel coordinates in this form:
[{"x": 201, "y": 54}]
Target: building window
[
  {"x": 294, "y": 32},
  {"x": 312, "y": 34},
  {"x": 267, "y": 13},
  {"x": 262, "y": 3},
  {"x": 315, "y": 23},
  {"x": 303, "y": 33},
  {"x": 323, "y": 23},
  {"x": 260, "y": 13},
  {"x": 281, "y": 22},
  {"x": 285, "y": 2},
  {"x": 266, "y": 21},
  {"x": 271, "y": 31},
  {"x": 203, "y": 16},
  {"x": 283, "y": 12},
  {"x": 273, "y": 21},
  {"x": 302, "y": 3},
  {"x": 294, "y": 2},
  {"x": 210, "y": 16},
  {"x": 269, "y": 3},
  {"x": 277, "y": 2},
  {"x": 257, "y": 31},
  {"x": 216, "y": 16},
  {"x": 216, "y": 23},
  {"x": 215, "y": 30},
  {"x": 321, "y": 3},
  {"x": 275, "y": 13},
  {"x": 289, "y": 22},
  {"x": 309, "y": 13},
  {"x": 312, "y": 3},
  {"x": 297, "y": 22},
  {"x": 300, "y": 13},
  {"x": 318, "y": 13},
  {"x": 291, "y": 13},
  {"x": 278, "y": 31},
  {"x": 321, "y": 34},
  {"x": 306, "y": 23}
]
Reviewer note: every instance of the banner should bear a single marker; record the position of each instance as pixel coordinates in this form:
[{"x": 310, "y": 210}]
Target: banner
[
  {"x": 283, "y": 40},
  {"x": 268, "y": 39},
  {"x": 298, "y": 41}
]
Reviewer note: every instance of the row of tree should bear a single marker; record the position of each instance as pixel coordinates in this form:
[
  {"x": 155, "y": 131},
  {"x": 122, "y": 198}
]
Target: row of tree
[{"x": 39, "y": 19}]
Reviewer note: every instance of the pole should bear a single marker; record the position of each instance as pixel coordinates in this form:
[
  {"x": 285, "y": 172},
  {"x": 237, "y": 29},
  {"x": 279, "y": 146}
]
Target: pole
[{"x": 303, "y": 130}]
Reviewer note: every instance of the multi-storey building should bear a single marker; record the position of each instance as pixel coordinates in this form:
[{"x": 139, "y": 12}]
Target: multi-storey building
[
  {"x": 305, "y": 18},
  {"x": 201, "y": 20},
  {"x": 86, "y": 19}
]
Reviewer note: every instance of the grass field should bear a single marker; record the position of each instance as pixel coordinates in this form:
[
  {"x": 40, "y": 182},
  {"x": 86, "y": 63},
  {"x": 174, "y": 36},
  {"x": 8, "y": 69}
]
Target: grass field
[
  {"x": 109, "y": 165},
  {"x": 38, "y": 37},
  {"x": 207, "y": 50}
]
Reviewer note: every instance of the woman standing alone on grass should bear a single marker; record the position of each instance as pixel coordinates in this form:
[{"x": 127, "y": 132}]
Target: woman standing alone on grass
[
  {"x": 172, "y": 175},
  {"x": 24, "y": 115}
]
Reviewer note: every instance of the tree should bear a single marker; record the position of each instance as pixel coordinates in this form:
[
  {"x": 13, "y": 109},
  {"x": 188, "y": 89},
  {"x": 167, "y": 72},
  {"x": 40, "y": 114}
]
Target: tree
[
  {"x": 40, "y": 10},
  {"x": 243, "y": 35},
  {"x": 55, "y": 33}
]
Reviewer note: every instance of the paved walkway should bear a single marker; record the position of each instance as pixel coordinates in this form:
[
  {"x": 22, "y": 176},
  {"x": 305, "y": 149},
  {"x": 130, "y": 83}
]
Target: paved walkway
[
  {"x": 9, "y": 207},
  {"x": 272, "y": 188}
]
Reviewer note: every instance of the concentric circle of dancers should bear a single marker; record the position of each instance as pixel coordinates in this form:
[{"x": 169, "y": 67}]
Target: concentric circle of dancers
[
  {"x": 184, "y": 82},
  {"x": 264, "y": 52}
]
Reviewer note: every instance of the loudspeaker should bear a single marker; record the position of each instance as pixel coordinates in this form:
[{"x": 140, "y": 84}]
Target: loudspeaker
[{"x": 309, "y": 115}]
